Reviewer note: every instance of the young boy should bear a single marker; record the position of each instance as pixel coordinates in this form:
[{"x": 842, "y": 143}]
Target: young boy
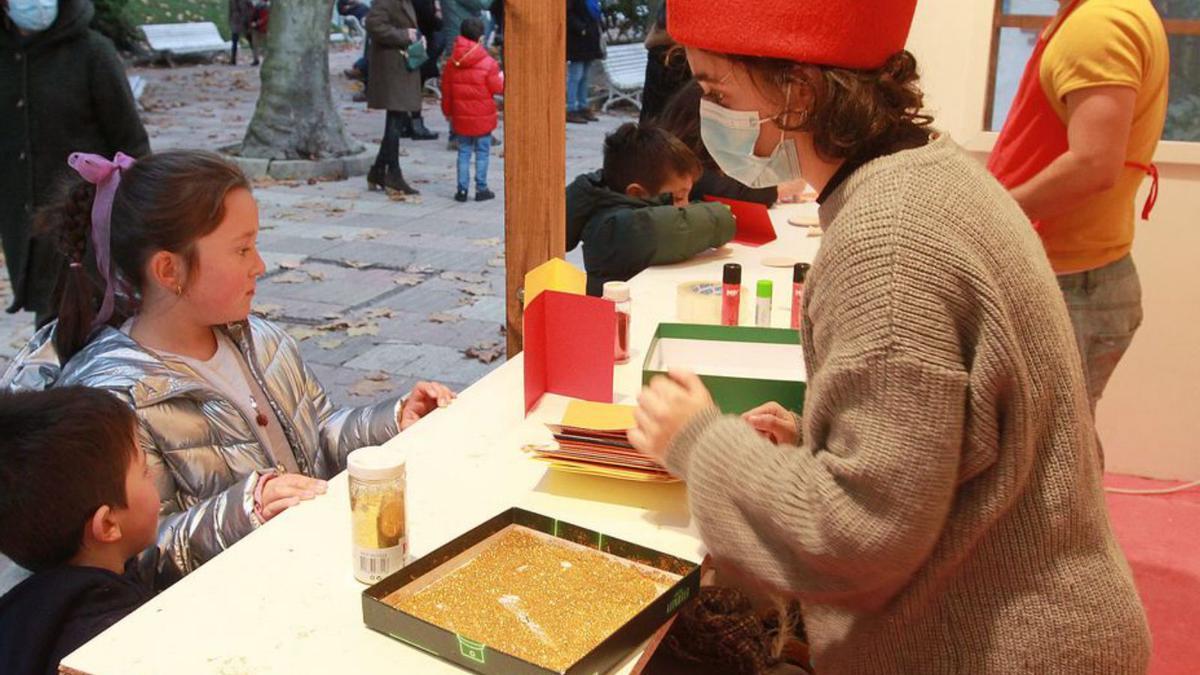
[
  {"x": 634, "y": 213},
  {"x": 470, "y": 79},
  {"x": 77, "y": 505}
]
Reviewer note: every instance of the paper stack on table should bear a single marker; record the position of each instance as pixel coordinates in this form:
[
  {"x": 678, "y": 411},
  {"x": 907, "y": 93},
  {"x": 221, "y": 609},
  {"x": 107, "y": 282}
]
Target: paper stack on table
[{"x": 593, "y": 440}]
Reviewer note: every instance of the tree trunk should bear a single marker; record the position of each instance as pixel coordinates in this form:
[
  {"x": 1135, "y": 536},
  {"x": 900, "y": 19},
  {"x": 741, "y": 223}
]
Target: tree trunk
[{"x": 295, "y": 117}]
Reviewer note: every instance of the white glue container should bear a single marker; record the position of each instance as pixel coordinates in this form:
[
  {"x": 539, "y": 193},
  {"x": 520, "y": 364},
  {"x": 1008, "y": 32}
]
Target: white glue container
[{"x": 379, "y": 522}]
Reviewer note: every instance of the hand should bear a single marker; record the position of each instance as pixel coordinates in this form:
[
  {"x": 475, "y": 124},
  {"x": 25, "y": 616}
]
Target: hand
[
  {"x": 413, "y": 34},
  {"x": 774, "y": 422},
  {"x": 664, "y": 408},
  {"x": 287, "y": 490},
  {"x": 422, "y": 400}
]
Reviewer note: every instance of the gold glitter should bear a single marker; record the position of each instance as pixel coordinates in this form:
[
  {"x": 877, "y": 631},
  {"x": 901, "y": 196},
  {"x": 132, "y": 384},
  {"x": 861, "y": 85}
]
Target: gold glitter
[{"x": 535, "y": 597}]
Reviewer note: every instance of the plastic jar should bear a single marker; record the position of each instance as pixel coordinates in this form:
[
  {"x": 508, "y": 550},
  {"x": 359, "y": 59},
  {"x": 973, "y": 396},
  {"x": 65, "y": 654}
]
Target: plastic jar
[{"x": 378, "y": 512}]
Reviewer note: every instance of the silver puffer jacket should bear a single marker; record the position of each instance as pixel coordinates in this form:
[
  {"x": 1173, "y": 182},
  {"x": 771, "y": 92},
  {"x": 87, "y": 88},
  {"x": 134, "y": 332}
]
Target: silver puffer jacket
[{"x": 203, "y": 451}]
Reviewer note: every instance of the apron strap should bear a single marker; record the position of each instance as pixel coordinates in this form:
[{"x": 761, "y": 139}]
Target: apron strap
[{"x": 1152, "y": 171}]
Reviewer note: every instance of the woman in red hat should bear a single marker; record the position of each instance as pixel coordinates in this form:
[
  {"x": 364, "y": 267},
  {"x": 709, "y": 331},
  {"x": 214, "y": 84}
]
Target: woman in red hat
[{"x": 938, "y": 506}]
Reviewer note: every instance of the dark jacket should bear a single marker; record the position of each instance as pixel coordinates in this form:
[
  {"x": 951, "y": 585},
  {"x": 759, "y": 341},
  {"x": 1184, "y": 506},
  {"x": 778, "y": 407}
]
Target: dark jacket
[
  {"x": 583, "y": 33},
  {"x": 429, "y": 22},
  {"x": 241, "y": 13},
  {"x": 472, "y": 77},
  {"x": 392, "y": 86},
  {"x": 61, "y": 90},
  {"x": 455, "y": 11},
  {"x": 53, "y": 613},
  {"x": 623, "y": 235}
]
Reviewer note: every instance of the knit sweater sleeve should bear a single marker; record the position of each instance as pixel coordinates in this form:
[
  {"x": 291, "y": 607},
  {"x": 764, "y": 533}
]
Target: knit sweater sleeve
[{"x": 849, "y": 521}]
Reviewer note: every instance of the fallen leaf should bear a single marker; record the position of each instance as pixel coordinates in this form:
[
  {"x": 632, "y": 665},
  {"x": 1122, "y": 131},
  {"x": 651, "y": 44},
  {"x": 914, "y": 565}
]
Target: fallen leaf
[
  {"x": 403, "y": 279},
  {"x": 476, "y": 289},
  {"x": 494, "y": 241},
  {"x": 340, "y": 324},
  {"x": 443, "y": 317},
  {"x": 419, "y": 269},
  {"x": 316, "y": 276},
  {"x": 289, "y": 264},
  {"x": 292, "y": 277},
  {"x": 302, "y": 333},
  {"x": 380, "y": 313},
  {"x": 268, "y": 311},
  {"x": 331, "y": 236},
  {"x": 485, "y": 352},
  {"x": 371, "y": 234},
  {"x": 371, "y": 386},
  {"x": 469, "y": 277},
  {"x": 496, "y": 262},
  {"x": 368, "y": 329},
  {"x": 356, "y": 264},
  {"x": 330, "y": 342}
]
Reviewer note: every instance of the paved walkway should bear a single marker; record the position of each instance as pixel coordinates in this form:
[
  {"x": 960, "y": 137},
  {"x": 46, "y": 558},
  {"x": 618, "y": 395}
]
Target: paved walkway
[{"x": 379, "y": 293}]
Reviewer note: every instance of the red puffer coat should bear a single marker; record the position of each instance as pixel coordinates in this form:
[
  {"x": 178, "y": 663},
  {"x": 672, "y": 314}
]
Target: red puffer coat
[{"x": 470, "y": 79}]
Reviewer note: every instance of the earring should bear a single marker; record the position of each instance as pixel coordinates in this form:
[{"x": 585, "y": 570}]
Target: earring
[{"x": 178, "y": 289}]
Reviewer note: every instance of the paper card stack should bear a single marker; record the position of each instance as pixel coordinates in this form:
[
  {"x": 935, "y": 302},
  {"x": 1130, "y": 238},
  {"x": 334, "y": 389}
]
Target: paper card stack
[{"x": 593, "y": 439}]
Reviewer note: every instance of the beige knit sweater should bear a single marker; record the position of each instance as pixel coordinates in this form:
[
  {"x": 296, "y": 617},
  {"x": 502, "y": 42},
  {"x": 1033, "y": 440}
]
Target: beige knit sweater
[{"x": 945, "y": 512}]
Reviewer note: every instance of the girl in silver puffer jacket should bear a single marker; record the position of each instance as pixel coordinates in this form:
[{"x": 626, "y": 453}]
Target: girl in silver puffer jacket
[{"x": 235, "y": 425}]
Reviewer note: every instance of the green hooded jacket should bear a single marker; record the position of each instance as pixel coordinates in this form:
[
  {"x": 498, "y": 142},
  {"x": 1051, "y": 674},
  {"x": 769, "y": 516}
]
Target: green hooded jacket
[{"x": 623, "y": 235}]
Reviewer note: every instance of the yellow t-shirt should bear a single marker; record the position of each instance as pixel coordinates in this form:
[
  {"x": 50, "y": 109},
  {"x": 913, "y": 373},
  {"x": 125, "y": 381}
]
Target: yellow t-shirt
[{"x": 1107, "y": 43}]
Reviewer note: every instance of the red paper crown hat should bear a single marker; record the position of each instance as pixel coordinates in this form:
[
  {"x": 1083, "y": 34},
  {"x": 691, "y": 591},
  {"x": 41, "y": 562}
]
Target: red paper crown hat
[{"x": 859, "y": 34}]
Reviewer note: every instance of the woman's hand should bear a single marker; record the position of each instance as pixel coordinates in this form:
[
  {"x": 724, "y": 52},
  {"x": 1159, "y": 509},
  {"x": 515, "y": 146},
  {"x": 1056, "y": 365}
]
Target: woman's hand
[
  {"x": 664, "y": 408},
  {"x": 287, "y": 490},
  {"x": 424, "y": 398},
  {"x": 774, "y": 422}
]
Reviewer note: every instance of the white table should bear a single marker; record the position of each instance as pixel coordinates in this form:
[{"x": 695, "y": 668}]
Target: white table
[{"x": 284, "y": 599}]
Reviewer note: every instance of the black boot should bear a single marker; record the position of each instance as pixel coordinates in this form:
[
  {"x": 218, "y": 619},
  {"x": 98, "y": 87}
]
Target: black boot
[
  {"x": 418, "y": 130},
  {"x": 394, "y": 183},
  {"x": 375, "y": 177},
  {"x": 233, "y": 50}
]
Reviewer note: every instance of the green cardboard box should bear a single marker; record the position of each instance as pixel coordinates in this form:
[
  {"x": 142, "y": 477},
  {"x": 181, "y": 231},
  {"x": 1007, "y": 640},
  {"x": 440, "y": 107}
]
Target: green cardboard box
[{"x": 742, "y": 366}]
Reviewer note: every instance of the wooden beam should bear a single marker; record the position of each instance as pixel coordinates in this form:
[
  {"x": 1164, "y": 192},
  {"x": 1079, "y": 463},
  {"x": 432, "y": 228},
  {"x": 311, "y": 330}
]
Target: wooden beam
[{"x": 535, "y": 161}]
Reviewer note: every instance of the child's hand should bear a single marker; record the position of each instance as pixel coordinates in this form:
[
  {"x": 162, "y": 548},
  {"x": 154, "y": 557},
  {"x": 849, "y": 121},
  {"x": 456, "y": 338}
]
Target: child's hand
[
  {"x": 422, "y": 400},
  {"x": 774, "y": 422},
  {"x": 664, "y": 408},
  {"x": 287, "y": 490}
]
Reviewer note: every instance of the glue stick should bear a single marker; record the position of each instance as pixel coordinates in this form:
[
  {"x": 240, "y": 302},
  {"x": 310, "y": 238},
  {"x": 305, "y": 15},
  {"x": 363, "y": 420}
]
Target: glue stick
[{"x": 731, "y": 291}]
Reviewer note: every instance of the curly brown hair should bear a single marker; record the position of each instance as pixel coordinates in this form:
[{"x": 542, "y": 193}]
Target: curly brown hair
[{"x": 854, "y": 114}]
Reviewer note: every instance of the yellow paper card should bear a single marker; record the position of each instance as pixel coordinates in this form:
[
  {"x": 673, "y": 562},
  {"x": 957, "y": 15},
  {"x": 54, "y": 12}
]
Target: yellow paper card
[
  {"x": 599, "y": 416},
  {"x": 555, "y": 274}
]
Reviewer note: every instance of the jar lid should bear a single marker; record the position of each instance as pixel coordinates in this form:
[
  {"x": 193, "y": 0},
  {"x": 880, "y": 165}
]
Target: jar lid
[
  {"x": 375, "y": 463},
  {"x": 764, "y": 288},
  {"x": 617, "y": 291}
]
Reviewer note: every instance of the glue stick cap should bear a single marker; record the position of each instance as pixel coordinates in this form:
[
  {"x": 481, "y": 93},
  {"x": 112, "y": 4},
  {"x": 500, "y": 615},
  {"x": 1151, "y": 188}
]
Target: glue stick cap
[
  {"x": 799, "y": 272},
  {"x": 733, "y": 274},
  {"x": 764, "y": 288}
]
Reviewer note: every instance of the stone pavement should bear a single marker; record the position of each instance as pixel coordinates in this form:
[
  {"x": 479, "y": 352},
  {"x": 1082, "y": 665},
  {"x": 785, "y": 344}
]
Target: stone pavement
[{"x": 379, "y": 293}]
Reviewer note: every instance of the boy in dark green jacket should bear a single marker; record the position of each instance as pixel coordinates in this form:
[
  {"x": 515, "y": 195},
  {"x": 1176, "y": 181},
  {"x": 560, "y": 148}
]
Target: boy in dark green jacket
[{"x": 634, "y": 212}]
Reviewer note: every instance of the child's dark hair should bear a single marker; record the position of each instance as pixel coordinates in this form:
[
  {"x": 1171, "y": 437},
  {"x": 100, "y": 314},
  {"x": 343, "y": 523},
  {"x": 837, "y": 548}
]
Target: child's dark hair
[
  {"x": 165, "y": 202},
  {"x": 472, "y": 28},
  {"x": 647, "y": 155},
  {"x": 64, "y": 454}
]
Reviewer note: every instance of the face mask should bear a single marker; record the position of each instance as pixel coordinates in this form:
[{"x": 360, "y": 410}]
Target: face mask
[
  {"x": 730, "y": 137},
  {"x": 33, "y": 16}
]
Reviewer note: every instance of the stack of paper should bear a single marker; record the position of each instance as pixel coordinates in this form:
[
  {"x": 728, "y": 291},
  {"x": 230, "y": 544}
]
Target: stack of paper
[{"x": 593, "y": 439}]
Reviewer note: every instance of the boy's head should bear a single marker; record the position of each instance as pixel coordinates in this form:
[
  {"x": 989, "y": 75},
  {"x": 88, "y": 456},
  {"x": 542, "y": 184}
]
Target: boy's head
[
  {"x": 73, "y": 481},
  {"x": 647, "y": 161},
  {"x": 472, "y": 28}
]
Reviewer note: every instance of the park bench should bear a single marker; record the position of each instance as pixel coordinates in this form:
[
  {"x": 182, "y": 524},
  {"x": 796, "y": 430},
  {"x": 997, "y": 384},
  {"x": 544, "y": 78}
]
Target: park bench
[
  {"x": 624, "y": 75},
  {"x": 184, "y": 39},
  {"x": 137, "y": 85}
]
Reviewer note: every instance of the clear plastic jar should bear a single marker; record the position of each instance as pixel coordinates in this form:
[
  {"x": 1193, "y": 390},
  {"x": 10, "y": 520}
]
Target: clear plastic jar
[
  {"x": 617, "y": 292},
  {"x": 378, "y": 512}
]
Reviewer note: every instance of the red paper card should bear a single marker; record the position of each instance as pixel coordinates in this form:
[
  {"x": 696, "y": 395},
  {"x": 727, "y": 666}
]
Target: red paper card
[
  {"x": 754, "y": 226},
  {"x": 569, "y": 341}
]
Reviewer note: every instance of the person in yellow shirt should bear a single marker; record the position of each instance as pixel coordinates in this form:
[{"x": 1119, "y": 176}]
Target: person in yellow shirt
[{"x": 1078, "y": 142}]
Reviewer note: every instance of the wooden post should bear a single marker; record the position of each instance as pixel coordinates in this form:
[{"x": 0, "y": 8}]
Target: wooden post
[{"x": 535, "y": 145}]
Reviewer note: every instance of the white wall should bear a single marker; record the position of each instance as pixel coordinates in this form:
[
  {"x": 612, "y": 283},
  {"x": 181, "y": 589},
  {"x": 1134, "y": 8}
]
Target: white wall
[{"x": 1150, "y": 416}]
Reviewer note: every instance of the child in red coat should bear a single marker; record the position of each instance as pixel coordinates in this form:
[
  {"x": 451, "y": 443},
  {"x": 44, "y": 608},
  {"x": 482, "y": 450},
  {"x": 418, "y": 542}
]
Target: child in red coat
[{"x": 469, "y": 81}]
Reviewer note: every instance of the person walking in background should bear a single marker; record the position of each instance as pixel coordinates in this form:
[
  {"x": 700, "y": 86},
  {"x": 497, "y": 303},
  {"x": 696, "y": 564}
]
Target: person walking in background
[
  {"x": 454, "y": 12},
  {"x": 241, "y": 13},
  {"x": 429, "y": 22},
  {"x": 472, "y": 77},
  {"x": 583, "y": 47},
  {"x": 259, "y": 22},
  {"x": 42, "y": 54},
  {"x": 392, "y": 86}
]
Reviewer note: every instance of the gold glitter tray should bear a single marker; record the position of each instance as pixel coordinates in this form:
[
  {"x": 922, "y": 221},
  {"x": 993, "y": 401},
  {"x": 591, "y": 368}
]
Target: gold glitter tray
[{"x": 526, "y": 594}]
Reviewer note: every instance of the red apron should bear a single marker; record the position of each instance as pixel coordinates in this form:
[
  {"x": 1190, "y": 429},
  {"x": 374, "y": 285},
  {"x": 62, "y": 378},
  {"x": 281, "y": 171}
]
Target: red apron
[{"x": 1034, "y": 136}]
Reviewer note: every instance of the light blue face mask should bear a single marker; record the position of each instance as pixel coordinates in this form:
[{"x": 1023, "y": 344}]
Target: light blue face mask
[
  {"x": 33, "y": 16},
  {"x": 730, "y": 137}
]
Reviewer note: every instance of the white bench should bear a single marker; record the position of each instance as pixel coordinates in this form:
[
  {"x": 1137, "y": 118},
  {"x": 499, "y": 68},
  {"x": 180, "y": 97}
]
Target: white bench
[
  {"x": 184, "y": 39},
  {"x": 137, "y": 85},
  {"x": 625, "y": 74}
]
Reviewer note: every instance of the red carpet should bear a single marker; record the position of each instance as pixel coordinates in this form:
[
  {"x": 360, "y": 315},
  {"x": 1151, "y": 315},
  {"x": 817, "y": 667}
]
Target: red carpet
[{"x": 1160, "y": 535}]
